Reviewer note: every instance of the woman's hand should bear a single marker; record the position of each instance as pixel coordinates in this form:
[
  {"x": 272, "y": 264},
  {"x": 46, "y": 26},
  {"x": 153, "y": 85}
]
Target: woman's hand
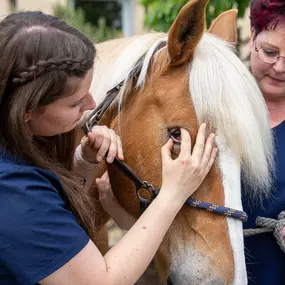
[
  {"x": 98, "y": 142},
  {"x": 182, "y": 177},
  {"x": 111, "y": 205},
  {"x": 106, "y": 195}
]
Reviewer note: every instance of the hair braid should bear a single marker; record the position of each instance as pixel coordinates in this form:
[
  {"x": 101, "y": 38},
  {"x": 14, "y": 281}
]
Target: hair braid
[{"x": 43, "y": 66}]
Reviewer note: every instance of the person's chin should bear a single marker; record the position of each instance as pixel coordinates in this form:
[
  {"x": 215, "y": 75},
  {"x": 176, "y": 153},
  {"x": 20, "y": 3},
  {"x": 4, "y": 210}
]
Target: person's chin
[
  {"x": 69, "y": 128},
  {"x": 74, "y": 125},
  {"x": 271, "y": 90}
]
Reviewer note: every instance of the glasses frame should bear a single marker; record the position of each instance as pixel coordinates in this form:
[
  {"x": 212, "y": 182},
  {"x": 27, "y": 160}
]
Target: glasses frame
[{"x": 271, "y": 63}]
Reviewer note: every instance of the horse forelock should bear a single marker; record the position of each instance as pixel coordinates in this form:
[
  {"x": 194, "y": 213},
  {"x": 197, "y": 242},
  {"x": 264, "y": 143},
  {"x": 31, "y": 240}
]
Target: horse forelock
[
  {"x": 142, "y": 66},
  {"x": 116, "y": 59}
]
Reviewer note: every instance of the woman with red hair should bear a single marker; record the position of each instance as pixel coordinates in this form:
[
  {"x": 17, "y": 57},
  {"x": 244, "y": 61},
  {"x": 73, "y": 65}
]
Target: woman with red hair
[{"x": 265, "y": 260}]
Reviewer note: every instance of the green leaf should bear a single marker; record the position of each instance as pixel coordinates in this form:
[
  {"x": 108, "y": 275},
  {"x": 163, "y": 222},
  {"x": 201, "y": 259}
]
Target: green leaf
[
  {"x": 161, "y": 14},
  {"x": 77, "y": 19}
]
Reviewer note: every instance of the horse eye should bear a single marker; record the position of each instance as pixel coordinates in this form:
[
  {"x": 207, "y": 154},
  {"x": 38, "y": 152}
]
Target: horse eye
[{"x": 175, "y": 134}]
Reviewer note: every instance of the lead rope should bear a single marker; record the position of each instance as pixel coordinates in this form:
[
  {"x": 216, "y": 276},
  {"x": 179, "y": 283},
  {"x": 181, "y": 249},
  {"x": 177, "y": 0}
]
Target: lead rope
[{"x": 267, "y": 225}]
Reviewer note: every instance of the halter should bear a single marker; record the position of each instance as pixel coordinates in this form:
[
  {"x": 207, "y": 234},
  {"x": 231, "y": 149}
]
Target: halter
[{"x": 142, "y": 185}]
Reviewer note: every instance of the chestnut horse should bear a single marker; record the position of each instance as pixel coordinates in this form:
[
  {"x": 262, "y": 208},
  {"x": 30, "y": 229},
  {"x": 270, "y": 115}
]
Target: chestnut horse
[{"x": 182, "y": 79}]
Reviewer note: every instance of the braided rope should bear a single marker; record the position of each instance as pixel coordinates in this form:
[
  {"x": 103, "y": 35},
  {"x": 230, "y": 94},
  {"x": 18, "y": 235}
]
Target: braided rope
[
  {"x": 269, "y": 225},
  {"x": 220, "y": 210},
  {"x": 43, "y": 66}
]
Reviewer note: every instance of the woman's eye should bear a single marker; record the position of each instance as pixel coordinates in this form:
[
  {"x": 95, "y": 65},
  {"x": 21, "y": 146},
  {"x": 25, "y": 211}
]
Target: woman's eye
[
  {"x": 270, "y": 53},
  {"x": 79, "y": 104},
  {"x": 175, "y": 134}
]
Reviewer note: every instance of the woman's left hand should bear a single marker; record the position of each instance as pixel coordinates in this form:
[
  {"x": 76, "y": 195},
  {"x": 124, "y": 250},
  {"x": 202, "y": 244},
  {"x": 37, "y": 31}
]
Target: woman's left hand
[
  {"x": 111, "y": 205},
  {"x": 100, "y": 141}
]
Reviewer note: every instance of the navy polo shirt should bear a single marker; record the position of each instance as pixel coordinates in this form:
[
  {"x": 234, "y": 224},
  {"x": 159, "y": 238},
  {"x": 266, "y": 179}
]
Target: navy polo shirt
[
  {"x": 265, "y": 260},
  {"x": 38, "y": 232}
]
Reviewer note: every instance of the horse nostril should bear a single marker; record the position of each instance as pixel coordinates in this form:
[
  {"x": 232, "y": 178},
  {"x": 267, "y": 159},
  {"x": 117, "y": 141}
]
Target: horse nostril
[{"x": 169, "y": 282}]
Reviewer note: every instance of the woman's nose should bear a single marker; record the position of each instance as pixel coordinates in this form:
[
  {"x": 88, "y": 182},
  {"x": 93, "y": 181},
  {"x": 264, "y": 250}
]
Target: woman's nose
[
  {"x": 279, "y": 66},
  {"x": 90, "y": 103}
]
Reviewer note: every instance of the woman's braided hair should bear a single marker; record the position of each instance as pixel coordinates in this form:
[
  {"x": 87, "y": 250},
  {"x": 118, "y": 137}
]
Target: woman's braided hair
[
  {"x": 52, "y": 64},
  {"x": 38, "y": 55}
]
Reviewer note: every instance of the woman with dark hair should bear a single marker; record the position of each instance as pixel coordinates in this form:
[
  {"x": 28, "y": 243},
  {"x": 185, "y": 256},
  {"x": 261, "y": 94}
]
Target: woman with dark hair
[
  {"x": 46, "y": 217},
  {"x": 265, "y": 260}
]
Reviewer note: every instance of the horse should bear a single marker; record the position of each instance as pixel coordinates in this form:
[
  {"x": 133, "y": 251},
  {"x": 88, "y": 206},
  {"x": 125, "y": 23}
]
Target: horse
[{"x": 180, "y": 79}]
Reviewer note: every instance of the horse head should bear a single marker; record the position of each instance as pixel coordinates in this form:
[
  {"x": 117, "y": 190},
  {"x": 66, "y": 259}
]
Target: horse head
[{"x": 182, "y": 79}]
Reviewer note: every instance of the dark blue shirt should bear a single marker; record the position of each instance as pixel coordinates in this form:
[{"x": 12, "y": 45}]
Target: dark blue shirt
[
  {"x": 265, "y": 260},
  {"x": 38, "y": 233}
]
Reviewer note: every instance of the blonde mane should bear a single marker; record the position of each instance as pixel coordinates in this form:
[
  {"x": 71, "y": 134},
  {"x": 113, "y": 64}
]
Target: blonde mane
[{"x": 224, "y": 94}]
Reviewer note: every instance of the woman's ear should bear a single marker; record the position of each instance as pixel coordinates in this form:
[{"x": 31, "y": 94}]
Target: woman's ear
[
  {"x": 34, "y": 114},
  {"x": 27, "y": 117},
  {"x": 252, "y": 38}
]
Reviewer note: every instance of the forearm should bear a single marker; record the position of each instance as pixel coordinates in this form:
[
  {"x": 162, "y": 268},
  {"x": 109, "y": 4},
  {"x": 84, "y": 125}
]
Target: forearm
[
  {"x": 140, "y": 244},
  {"x": 120, "y": 216},
  {"x": 123, "y": 219}
]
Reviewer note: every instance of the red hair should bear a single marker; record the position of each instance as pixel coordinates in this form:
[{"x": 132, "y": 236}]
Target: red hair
[{"x": 267, "y": 14}]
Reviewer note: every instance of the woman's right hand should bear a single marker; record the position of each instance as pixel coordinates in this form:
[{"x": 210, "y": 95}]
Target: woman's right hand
[{"x": 182, "y": 176}]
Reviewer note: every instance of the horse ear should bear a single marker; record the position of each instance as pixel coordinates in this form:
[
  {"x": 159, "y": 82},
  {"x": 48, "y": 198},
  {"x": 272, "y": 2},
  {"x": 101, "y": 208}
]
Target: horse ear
[
  {"x": 186, "y": 31},
  {"x": 225, "y": 26}
]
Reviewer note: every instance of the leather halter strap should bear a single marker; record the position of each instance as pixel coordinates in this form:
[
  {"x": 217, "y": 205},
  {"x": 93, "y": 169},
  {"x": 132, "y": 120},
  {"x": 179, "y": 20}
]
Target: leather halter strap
[{"x": 98, "y": 113}]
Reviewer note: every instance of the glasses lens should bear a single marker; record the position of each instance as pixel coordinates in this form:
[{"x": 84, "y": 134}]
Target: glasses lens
[{"x": 267, "y": 56}]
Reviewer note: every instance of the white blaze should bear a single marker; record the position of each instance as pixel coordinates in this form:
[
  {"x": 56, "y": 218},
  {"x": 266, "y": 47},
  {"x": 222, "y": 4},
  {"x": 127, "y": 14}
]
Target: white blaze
[{"x": 230, "y": 168}]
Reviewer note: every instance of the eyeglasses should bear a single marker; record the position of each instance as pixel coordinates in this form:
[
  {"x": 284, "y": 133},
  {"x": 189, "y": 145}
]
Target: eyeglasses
[{"x": 268, "y": 56}]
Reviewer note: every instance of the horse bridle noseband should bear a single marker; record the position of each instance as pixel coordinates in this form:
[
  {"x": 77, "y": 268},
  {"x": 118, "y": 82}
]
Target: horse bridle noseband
[{"x": 93, "y": 120}]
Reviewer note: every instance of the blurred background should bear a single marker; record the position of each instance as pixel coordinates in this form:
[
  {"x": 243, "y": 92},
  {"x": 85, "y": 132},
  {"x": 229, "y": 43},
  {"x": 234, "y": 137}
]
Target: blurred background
[{"x": 102, "y": 20}]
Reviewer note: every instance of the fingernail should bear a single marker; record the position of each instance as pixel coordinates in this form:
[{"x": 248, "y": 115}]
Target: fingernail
[{"x": 99, "y": 158}]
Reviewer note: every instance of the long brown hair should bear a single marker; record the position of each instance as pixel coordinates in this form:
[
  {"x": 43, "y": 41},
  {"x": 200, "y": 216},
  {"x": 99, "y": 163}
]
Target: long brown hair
[{"x": 38, "y": 54}]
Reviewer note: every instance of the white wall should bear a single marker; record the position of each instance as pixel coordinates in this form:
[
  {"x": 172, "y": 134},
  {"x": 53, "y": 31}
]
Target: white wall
[
  {"x": 45, "y": 6},
  {"x": 4, "y": 8}
]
